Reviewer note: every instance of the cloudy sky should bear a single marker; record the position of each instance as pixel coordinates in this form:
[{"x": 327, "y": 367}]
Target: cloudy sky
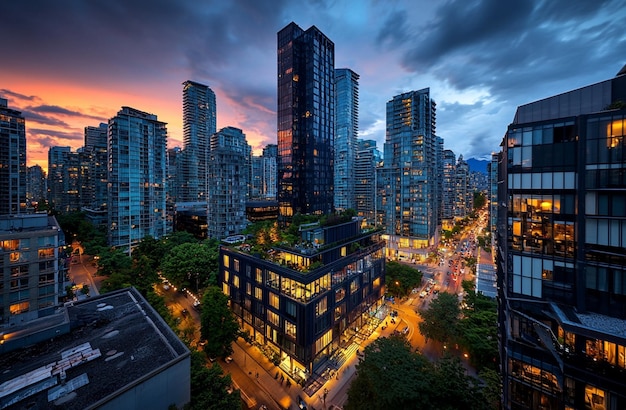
[{"x": 67, "y": 64}]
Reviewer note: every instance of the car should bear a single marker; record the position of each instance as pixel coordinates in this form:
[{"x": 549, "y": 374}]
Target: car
[
  {"x": 228, "y": 359},
  {"x": 405, "y": 330},
  {"x": 184, "y": 312}
]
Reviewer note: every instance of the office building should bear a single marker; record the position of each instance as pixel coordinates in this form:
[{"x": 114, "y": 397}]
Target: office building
[
  {"x": 229, "y": 170},
  {"x": 137, "y": 177},
  {"x": 448, "y": 185},
  {"x": 269, "y": 172},
  {"x": 346, "y": 132},
  {"x": 34, "y": 268},
  {"x": 303, "y": 300},
  {"x": 306, "y": 111},
  {"x": 12, "y": 160},
  {"x": 410, "y": 161},
  {"x": 199, "y": 123},
  {"x": 111, "y": 351},
  {"x": 561, "y": 260}
]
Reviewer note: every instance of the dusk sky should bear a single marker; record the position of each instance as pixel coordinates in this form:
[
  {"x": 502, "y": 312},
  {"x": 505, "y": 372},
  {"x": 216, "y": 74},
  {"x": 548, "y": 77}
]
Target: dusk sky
[{"x": 67, "y": 64}]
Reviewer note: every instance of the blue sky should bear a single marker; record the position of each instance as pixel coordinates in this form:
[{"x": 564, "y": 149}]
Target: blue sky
[{"x": 68, "y": 64}]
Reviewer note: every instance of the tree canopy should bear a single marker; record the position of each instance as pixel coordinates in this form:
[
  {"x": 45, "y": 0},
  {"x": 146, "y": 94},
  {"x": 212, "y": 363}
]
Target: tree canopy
[
  {"x": 192, "y": 264},
  {"x": 440, "y": 320},
  {"x": 209, "y": 387},
  {"x": 218, "y": 324},
  {"x": 401, "y": 279}
]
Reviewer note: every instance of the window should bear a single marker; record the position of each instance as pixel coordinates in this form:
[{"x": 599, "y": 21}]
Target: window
[
  {"x": 236, "y": 265},
  {"x": 21, "y": 307},
  {"x": 290, "y": 308},
  {"x": 259, "y": 275},
  {"x": 46, "y": 253},
  {"x": 290, "y": 329},
  {"x": 273, "y": 300},
  {"x": 273, "y": 318},
  {"x": 258, "y": 293},
  {"x": 323, "y": 341},
  {"x": 321, "y": 306}
]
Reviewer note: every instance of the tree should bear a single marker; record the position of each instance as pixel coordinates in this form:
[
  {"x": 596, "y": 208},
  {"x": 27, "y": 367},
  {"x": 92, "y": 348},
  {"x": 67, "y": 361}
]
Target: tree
[
  {"x": 191, "y": 264},
  {"x": 400, "y": 278},
  {"x": 440, "y": 320},
  {"x": 218, "y": 324},
  {"x": 209, "y": 387},
  {"x": 478, "y": 328},
  {"x": 391, "y": 376},
  {"x": 453, "y": 389}
]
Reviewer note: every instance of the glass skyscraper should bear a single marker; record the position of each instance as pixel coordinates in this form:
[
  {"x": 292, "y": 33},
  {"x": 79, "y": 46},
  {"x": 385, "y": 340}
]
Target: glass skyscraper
[
  {"x": 410, "y": 177},
  {"x": 561, "y": 259},
  {"x": 137, "y": 177},
  {"x": 346, "y": 130},
  {"x": 12, "y": 160},
  {"x": 306, "y": 110},
  {"x": 199, "y": 123}
]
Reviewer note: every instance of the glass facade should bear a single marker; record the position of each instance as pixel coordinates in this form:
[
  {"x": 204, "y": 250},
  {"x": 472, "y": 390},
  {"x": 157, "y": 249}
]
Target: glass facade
[
  {"x": 137, "y": 175},
  {"x": 306, "y": 112},
  {"x": 346, "y": 130},
  {"x": 562, "y": 266},
  {"x": 12, "y": 160},
  {"x": 411, "y": 187}
]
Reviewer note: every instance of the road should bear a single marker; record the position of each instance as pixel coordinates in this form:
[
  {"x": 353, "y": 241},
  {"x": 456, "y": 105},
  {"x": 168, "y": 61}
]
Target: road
[{"x": 82, "y": 269}]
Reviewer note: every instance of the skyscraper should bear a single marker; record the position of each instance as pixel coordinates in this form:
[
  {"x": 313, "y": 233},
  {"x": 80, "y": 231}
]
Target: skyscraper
[
  {"x": 463, "y": 202},
  {"x": 95, "y": 153},
  {"x": 137, "y": 176},
  {"x": 411, "y": 175},
  {"x": 269, "y": 155},
  {"x": 346, "y": 130},
  {"x": 64, "y": 183},
  {"x": 199, "y": 123},
  {"x": 306, "y": 110},
  {"x": 448, "y": 185},
  {"x": 35, "y": 184},
  {"x": 229, "y": 170},
  {"x": 12, "y": 160},
  {"x": 561, "y": 259}
]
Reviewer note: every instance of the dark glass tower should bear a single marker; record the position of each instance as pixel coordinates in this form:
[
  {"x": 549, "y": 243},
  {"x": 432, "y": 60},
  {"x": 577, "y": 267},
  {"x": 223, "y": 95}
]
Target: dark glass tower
[
  {"x": 561, "y": 251},
  {"x": 12, "y": 160},
  {"x": 306, "y": 106}
]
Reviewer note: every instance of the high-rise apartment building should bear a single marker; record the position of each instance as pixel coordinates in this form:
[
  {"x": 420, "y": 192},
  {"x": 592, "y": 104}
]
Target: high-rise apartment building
[
  {"x": 64, "y": 179},
  {"x": 346, "y": 131},
  {"x": 36, "y": 188},
  {"x": 137, "y": 177},
  {"x": 94, "y": 168},
  {"x": 561, "y": 260},
  {"x": 367, "y": 159},
  {"x": 410, "y": 161},
  {"x": 229, "y": 170},
  {"x": 199, "y": 123},
  {"x": 463, "y": 193},
  {"x": 12, "y": 160},
  {"x": 306, "y": 111},
  {"x": 269, "y": 171},
  {"x": 448, "y": 185}
]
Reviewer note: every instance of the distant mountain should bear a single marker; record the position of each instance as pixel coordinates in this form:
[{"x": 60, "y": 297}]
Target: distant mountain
[{"x": 477, "y": 165}]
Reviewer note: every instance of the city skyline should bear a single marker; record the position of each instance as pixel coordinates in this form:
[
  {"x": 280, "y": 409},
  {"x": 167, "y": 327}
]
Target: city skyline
[{"x": 79, "y": 65}]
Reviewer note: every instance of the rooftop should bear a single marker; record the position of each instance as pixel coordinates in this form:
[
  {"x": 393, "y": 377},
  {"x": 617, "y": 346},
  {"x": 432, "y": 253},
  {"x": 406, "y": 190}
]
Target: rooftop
[{"x": 115, "y": 341}]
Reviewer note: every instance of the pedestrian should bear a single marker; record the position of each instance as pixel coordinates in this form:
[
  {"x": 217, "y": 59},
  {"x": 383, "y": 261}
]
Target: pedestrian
[{"x": 257, "y": 375}]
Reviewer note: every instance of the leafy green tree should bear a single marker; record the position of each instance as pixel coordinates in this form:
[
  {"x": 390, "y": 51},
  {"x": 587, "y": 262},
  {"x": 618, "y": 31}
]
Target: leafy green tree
[
  {"x": 209, "y": 387},
  {"x": 218, "y": 324},
  {"x": 479, "y": 199},
  {"x": 441, "y": 319},
  {"x": 391, "y": 376},
  {"x": 191, "y": 264},
  {"x": 478, "y": 328},
  {"x": 492, "y": 387},
  {"x": 453, "y": 389},
  {"x": 400, "y": 278}
]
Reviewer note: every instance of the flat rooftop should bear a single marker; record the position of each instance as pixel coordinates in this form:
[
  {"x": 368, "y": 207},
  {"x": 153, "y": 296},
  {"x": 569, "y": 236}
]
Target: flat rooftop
[{"x": 115, "y": 341}]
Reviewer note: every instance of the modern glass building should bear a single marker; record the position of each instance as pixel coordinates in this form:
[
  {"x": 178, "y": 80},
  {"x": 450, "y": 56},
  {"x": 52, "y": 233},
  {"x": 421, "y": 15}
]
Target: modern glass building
[
  {"x": 229, "y": 169},
  {"x": 367, "y": 160},
  {"x": 12, "y": 160},
  {"x": 306, "y": 126},
  {"x": 64, "y": 182},
  {"x": 346, "y": 132},
  {"x": 199, "y": 123},
  {"x": 410, "y": 161},
  {"x": 562, "y": 259},
  {"x": 448, "y": 185},
  {"x": 137, "y": 176},
  {"x": 307, "y": 302}
]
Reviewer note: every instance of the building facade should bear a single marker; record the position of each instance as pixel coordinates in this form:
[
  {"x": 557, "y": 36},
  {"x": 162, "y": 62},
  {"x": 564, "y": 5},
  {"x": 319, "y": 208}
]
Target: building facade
[
  {"x": 301, "y": 301},
  {"x": 448, "y": 185},
  {"x": 65, "y": 179},
  {"x": 229, "y": 171},
  {"x": 463, "y": 193},
  {"x": 410, "y": 160},
  {"x": 137, "y": 176},
  {"x": 561, "y": 260},
  {"x": 12, "y": 160},
  {"x": 199, "y": 123},
  {"x": 306, "y": 126},
  {"x": 36, "y": 187},
  {"x": 269, "y": 171},
  {"x": 346, "y": 132},
  {"x": 33, "y": 267},
  {"x": 367, "y": 159}
]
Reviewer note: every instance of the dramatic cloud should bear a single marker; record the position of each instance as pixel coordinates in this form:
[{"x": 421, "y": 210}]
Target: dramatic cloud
[{"x": 74, "y": 63}]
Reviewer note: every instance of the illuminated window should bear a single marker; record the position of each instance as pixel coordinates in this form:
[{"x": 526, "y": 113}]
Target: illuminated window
[
  {"x": 273, "y": 318},
  {"x": 290, "y": 329},
  {"x": 321, "y": 307},
  {"x": 274, "y": 300},
  {"x": 594, "y": 398},
  {"x": 21, "y": 307},
  {"x": 258, "y": 293}
]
